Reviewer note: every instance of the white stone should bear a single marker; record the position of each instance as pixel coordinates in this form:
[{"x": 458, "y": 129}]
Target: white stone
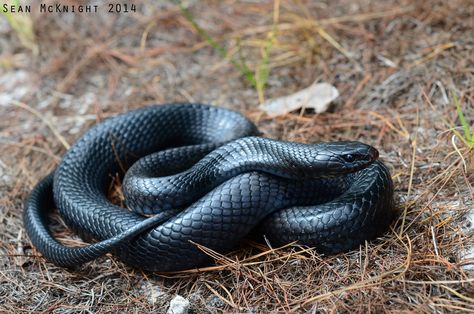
[
  {"x": 178, "y": 305},
  {"x": 317, "y": 96}
]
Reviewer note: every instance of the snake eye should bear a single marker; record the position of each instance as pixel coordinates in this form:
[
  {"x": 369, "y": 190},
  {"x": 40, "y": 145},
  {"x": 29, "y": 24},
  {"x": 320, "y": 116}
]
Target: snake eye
[{"x": 349, "y": 157}]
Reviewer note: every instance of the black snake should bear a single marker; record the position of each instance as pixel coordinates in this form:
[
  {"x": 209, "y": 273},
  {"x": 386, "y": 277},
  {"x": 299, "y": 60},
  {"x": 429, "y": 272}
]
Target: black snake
[{"x": 206, "y": 177}]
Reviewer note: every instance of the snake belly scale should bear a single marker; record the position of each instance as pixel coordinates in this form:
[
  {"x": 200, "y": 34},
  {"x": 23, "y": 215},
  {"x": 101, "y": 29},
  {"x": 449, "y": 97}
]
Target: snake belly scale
[{"x": 202, "y": 174}]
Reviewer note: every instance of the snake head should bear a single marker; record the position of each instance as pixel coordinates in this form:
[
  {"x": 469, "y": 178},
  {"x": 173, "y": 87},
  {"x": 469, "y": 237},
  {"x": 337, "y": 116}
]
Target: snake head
[{"x": 346, "y": 157}]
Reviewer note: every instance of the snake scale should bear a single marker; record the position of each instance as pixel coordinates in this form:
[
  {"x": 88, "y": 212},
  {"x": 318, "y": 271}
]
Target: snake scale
[{"x": 202, "y": 174}]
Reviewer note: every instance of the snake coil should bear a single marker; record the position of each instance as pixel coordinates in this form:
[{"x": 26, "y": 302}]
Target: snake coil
[{"x": 201, "y": 174}]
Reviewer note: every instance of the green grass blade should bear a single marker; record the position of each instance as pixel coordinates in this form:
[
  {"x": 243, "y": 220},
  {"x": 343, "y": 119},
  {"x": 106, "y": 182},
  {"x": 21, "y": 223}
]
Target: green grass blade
[
  {"x": 241, "y": 66},
  {"x": 263, "y": 69},
  {"x": 462, "y": 119}
]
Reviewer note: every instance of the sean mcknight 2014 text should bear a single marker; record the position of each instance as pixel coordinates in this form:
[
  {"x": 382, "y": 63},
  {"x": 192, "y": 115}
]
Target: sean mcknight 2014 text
[{"x": 50, "y": 8}]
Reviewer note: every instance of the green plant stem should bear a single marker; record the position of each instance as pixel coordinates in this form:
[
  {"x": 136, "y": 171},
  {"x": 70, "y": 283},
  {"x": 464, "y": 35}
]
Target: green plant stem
[{"x": 241, "y": 66}]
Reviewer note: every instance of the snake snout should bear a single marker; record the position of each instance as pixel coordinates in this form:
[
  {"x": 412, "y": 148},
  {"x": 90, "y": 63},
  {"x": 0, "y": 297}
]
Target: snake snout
[{"x": 373, "y": 153}]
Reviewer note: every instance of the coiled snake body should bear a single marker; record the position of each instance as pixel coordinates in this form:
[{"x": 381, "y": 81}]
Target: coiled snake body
[{"x": 205, "y": 177}]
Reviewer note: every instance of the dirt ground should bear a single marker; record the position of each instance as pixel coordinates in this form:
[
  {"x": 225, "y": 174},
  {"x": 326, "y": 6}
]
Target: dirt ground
[{"x": 399, "y": 67}]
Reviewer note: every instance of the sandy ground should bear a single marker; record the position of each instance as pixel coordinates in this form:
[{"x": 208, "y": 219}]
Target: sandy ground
[{"x": 397, "y": 66}]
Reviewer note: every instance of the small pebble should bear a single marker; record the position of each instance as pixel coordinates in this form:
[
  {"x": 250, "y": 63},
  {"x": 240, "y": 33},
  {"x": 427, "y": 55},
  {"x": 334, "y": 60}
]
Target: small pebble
[{"x": 178, "y": 305}]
